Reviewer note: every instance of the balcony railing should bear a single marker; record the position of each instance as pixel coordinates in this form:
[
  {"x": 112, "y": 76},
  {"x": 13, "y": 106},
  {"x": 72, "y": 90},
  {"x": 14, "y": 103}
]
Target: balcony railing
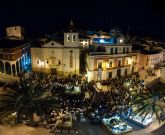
[{"x": 112, "y": 55}]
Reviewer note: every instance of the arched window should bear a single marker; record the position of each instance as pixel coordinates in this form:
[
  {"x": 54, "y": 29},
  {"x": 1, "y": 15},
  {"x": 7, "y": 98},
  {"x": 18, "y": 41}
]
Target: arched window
[
  {"x": 73, "y": 38},
  {"x": 68, "y": 38}
]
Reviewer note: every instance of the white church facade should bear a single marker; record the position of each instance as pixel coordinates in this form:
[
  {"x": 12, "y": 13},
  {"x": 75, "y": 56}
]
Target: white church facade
[{"x": 58, "y": 58}]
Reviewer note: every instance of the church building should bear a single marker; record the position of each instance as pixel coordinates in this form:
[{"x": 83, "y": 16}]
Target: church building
[{"x": 59, "y": 58}]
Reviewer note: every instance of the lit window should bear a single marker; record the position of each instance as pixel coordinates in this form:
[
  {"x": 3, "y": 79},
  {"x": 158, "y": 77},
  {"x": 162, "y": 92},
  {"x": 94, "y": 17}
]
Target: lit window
[
  {"x": 127, "y": 62},
  {"x": 68, "y": 38}
]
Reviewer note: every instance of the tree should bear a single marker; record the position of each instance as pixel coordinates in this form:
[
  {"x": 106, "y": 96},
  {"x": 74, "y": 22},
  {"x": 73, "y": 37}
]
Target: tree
[
  {"x": 25, "y": 98},
  {"x": 149, "y": 102}
]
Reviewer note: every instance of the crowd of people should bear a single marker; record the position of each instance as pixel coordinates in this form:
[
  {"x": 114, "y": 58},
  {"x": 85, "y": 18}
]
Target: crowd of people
[{"x": 115, "y": 99}]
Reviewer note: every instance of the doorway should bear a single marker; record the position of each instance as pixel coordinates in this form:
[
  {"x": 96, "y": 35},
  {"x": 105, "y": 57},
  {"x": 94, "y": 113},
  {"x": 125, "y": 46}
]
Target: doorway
[
  {"x": 53, "y": 71},
  {"x": 119, "y": 73}
]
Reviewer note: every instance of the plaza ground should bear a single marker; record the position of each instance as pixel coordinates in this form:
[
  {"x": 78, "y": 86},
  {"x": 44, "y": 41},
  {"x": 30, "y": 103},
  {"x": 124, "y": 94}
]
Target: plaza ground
[{"x": 85, "y": 128}]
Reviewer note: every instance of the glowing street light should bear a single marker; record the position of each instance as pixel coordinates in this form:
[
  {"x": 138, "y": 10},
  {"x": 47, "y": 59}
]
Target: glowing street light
[{"x": 121, "y": 40}]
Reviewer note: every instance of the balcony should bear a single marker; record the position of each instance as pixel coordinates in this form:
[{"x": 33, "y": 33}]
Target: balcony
[{"x": 106, "y": 54}]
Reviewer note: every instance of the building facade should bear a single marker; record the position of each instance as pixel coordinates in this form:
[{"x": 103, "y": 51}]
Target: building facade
[
  {"x": 149, "y": 59},
  {"x": 117, "y": 60},
  {"x": 14, "y": 56},
  {"x": 57, "y": 58},
  {"x": 15, "y": 32}
]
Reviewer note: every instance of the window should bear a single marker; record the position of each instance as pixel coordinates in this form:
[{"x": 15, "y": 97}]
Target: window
[
  {"x": 71, "y": 51},
  {"x": 127, "y": 62},
  {"x": 47, "y": 62},
  {"x": 68, "y": 38},
  {"x": 59, "y": 62},
  {"x": 37, "y": 62},
  {"x": 116, "y": 50},
  {"x": 110, "y": 64},
  {"x": 52, "y": 43},
  {"x": 73, "y": 38},
  {"x": 127, "y": 49},
  {"x": 123, "y": 49},
  {"x": 119, "y": 63},
  {"x": 125, "y": 71},
  {"x": 111, "y": 50},
  {"x": 100, "y": 65},
  {"x": 110, "y": 75}
]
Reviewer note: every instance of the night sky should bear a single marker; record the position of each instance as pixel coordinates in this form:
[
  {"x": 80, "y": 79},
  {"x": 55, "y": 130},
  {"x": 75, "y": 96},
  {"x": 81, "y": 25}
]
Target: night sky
[{"x": 144, "y": 17}]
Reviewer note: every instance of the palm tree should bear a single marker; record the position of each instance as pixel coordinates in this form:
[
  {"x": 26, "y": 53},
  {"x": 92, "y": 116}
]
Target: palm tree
[
  {"x": 149, "y": 102},
  {"x": 25, "y": 98}
]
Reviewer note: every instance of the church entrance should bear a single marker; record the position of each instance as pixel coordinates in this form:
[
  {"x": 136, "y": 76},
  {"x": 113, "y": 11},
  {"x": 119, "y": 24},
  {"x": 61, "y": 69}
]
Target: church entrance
[{"x": 53, "y": 71}]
